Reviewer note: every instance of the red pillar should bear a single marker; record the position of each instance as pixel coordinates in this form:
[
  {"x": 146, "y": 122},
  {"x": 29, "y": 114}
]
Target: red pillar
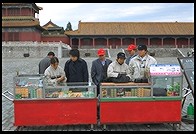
[
  {"x": 107, "y": 42},
  {"x": 70, "y": 42},
  {"x": 148, "y": 41},
  {"x": 176, "y": 43},
  {"x": 135, "y": 41},
  {"x": 93, "y": 43},
  {"x": 188, "y": 42},
  {"x": 79, "y": 43},
  {"x": 121, "y": 42},
  {"x": 162, "y": 42}
]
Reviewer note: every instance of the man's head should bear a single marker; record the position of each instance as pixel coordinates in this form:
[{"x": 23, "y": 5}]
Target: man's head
[
  {"x": 142, "y": 50},
  {"x": 101, "y": 53},
  {"x": 74, "y": 54},
  {"x": 51, "y": 54},
  {"x": 132, "y": 49},
  {"x": 54, "y": 62},
  {"x": 120, "y": 58}
]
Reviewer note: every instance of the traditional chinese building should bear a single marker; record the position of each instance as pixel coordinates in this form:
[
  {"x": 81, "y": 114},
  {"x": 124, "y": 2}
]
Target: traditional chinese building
[
  {"x": 19, "y": 22},
  {"x": 54, "y": 33},
  {"x": 121, "y": 34}
]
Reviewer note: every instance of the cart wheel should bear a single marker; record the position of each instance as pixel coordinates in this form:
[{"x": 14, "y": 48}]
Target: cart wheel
[
  {"x": 104, "y": 128},
  {"x": 17, "y": 129},
  {"x": 180, "y": 124},
  {"x": 148, "y": 126},
  {"x": 175, "y": 127},
  {"x": 92, "y": 127}
]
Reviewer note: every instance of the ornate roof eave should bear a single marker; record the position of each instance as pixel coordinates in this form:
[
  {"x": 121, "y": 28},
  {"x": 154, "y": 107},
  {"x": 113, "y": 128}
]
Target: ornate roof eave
[{"x": 50, "y": 23}]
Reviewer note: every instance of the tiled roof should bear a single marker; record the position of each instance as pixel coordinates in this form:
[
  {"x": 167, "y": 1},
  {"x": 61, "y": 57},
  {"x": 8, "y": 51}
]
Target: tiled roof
[
  {"x": 50, "y": 24},
  {"x": 19, "y": 23},
  {"x": 22, "y": 4},
  {"x": 133, "y": 28}
]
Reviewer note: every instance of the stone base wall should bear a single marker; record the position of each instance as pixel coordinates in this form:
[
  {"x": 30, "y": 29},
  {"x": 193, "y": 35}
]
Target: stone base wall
[
  {"x": 40, "y": 50},
  {"x": 31, "y": 49}
]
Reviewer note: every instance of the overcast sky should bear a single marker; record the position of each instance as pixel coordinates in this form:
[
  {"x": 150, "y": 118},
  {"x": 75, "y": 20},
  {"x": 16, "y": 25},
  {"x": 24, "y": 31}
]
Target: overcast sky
[{"x": 62, "y": 13}]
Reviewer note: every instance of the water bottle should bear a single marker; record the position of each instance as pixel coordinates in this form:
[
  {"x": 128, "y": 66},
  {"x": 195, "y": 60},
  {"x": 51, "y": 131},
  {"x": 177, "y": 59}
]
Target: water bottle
[
  {"x": 40, "y": 83},
  {"x": 190, "y": 111}
]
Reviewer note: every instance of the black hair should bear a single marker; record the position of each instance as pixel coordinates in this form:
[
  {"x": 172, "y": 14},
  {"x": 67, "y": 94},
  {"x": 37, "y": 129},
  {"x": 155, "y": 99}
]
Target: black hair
[
  {"x": 74, "y": 53},
  {"x": 54, "y": 60},
  {"x": 51, "y": 53}
]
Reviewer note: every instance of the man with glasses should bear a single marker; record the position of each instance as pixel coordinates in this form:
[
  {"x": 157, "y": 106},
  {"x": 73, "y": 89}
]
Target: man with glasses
[{"x": 99, "y": 68}]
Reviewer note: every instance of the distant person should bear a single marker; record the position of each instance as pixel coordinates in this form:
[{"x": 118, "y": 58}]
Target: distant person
[
  {"x": 99, "y": 68},
  {"x": 75, "y": 68},
  {"x": 140, "y": 64},
  {"x": 54, "y": 71},
  {"x": 45, "y": 63},
  {"x": 132, "y": 49},
  {"x": 118, "y": 70}
]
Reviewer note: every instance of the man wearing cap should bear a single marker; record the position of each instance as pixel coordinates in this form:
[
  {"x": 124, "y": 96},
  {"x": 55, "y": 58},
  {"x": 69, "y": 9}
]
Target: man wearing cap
[
  {"x": 132, "y": 52},
  {"x": 99, "y": 68},
  {"x": 118, "y": 70},
  {"x": 75, "y": 68},
  {"x": 140, "y": 64}
]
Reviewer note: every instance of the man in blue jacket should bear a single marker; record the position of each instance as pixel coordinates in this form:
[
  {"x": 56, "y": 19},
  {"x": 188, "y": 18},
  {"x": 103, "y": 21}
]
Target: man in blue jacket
[
  {"x": 75, "y": 68},
  {"x": 99, "y": 68}
]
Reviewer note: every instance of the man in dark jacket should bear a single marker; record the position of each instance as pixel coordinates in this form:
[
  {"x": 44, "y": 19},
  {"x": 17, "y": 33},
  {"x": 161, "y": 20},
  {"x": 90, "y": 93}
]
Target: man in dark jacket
[
  {"x": 76, "y": 69},
  {"x": 99, "y": 68},
  {"x": 45, "y": 63}
]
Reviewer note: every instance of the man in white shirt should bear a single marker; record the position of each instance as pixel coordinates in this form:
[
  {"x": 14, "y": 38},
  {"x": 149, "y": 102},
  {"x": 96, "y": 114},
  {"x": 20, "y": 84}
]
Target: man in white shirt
[
  {"x": 54, "y": 71},
  {"x": 140, "y": 64}
]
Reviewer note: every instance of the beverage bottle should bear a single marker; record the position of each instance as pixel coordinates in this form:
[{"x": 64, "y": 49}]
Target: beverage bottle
[{"x": 190, "y": 111}]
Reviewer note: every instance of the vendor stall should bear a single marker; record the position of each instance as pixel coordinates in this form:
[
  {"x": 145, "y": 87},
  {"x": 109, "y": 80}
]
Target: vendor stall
[
  {"x": 158, "y": 101},
  {"x": 38, "y": 102}
]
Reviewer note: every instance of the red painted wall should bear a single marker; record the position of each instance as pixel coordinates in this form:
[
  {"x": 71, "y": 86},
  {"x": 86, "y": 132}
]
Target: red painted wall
[
  {"x": 30, "y": 36},
  {"x": 182, "y": 42},
  {"x": 114, "y": 42},
  {"x": 169, "y": 41},
  {"x": 155, "y": 41},
  {"x": 22, "y": 36},
  {"x": 127, "y": 41},
  {"x": 26, "y": 12},
  {"x": 142, "y": 41},
  {"x": 100, "y": 41}
]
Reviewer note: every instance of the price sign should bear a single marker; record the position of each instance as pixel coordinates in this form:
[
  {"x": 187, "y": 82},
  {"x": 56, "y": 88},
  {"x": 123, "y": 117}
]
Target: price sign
[{"x": 165, "y": 69}]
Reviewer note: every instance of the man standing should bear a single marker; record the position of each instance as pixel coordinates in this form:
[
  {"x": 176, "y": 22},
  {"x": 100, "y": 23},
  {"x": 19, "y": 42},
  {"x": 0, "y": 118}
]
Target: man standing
[
  {"x": 99, "y": 69},
  {"x": 75, "y": 68},
  {"x": 132, "y": 49},
  {"x": 140, "y": 64},
  {"x": 45, "y": 63}
]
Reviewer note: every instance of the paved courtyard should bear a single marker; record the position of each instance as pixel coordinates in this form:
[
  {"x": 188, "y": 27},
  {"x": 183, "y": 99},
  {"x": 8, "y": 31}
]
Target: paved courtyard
[{"x": 30, "y": 66}]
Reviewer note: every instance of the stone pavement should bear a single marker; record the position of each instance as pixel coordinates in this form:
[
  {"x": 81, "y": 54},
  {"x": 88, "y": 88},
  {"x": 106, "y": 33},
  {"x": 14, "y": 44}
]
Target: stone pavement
[{"x": 29, "y": 66}]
